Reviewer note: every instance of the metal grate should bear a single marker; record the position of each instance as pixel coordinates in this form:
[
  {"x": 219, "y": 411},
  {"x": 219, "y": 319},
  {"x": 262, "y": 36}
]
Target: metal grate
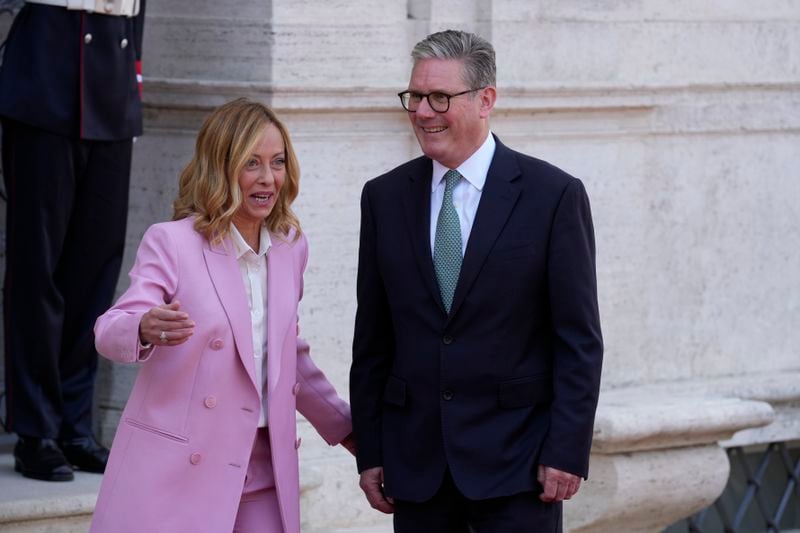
[{"x": 762, "y": 494}]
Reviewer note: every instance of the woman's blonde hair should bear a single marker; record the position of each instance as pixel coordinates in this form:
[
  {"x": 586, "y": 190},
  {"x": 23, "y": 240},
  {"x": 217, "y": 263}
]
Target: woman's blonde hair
[{"x": 209, "y": 185}]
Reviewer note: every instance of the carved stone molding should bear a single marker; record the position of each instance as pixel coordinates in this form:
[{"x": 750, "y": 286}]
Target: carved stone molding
[{"x": 659, "y": 450}]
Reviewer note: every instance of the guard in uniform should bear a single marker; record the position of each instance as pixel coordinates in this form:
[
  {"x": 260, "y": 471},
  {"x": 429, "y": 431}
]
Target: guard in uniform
[{"x": 70, "y": 105}]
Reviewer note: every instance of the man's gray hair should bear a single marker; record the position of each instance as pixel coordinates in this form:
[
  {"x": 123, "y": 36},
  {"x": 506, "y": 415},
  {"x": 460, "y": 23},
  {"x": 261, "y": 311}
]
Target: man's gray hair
[{"x": 476, "y": 52}]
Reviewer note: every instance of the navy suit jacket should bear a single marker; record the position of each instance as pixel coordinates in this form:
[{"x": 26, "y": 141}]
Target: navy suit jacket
[
  {"x": 510, "y": 378},
  {"x": 52, "y": 79}
]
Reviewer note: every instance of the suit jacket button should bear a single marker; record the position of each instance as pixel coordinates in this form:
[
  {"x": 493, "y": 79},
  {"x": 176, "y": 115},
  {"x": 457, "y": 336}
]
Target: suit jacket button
[
  {"x": 447, "y": 395},
  {"x": 87, "y": 38},
  {"x": 123, "y": 44},
  {"x": 217, "y": 344},
  {"x": 447, "y": 339},
  {"x": 210, "y": 402},
  {"x": 195, "y": 458},
  {"x": 296, "y": 389}
]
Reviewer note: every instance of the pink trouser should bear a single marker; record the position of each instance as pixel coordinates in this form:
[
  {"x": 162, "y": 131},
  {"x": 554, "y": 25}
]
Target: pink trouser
[{"x": 258, "y": 508}]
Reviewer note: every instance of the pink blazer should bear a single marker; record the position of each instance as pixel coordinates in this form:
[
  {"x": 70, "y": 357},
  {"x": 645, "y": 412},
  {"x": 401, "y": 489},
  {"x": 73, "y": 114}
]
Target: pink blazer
[{"x": 181, "y": 450}]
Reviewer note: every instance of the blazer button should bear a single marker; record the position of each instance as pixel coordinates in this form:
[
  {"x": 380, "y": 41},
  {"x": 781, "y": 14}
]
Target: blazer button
[
  {"x": 87, "y": 38},
  {"x": 296, "y": 389},
  {"x": 217, "y": 344},
  {"x": 210, "y": 402},
  {"x": 123, "y": 44},
  {"x": 297, "y": 443},
  {"x": 447, "y": 339},
  {"x": 447, "y": 395},
  {"x": 195, "y": 458}
]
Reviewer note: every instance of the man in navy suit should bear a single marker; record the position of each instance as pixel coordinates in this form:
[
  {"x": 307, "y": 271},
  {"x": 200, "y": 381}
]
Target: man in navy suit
[
  {"x": 477, "y": 349},
  {"x": 70, "y": 107}
]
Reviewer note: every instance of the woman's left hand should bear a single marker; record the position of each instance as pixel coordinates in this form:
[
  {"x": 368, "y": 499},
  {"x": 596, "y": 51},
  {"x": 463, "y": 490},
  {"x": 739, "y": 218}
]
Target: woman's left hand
[{"x": 349, "y": 442}]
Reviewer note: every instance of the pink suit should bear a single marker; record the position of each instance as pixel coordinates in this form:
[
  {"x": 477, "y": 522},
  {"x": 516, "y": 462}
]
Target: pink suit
[{"x": 181, "y": 450}]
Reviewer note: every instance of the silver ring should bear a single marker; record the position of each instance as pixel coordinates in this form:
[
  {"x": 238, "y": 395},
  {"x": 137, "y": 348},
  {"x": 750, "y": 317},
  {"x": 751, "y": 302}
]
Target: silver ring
[{"x": 163, "y": 336}]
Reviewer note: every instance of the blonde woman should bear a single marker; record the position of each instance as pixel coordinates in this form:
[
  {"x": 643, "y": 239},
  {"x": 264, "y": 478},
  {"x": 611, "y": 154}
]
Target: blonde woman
[{"x": 207, "y": 441}]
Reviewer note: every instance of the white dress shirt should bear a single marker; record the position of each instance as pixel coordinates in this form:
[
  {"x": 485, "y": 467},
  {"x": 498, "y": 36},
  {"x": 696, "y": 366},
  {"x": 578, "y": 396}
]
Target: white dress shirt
[
  {"x": 253, "y": 267},
  {"x": 467, "y": 193}
]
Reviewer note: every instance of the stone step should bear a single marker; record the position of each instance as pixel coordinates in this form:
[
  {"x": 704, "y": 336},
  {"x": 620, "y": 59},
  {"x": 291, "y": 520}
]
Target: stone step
[{"x": 28, "y": 505}]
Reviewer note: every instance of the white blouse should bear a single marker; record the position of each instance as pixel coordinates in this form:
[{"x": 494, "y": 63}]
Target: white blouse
[{"x": 253, "y": 267}]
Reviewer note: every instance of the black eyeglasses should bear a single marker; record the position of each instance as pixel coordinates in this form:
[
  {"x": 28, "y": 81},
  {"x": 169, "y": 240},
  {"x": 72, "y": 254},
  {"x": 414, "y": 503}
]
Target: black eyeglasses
[{"x": 439, "y": 102}]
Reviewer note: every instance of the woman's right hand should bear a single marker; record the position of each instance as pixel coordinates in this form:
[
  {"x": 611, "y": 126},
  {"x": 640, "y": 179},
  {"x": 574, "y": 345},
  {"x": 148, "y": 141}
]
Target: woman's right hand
[{"x": 165, "y": 325}]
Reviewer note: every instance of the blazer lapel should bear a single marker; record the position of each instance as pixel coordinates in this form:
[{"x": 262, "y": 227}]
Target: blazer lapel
[
  {"x": 417, "y": 200},
  {"x": 282, "y": 297},
  {"x": 227, "y": 280},
  {"x": 497, "y": 201}
]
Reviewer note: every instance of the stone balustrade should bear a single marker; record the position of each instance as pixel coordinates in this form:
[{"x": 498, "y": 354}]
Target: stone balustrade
[{"x": 659, "y": 450}]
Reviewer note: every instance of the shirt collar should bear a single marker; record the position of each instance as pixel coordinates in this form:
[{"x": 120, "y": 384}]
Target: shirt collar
[
  {"x": 474, "y": 169},
  {"x": 241, "y": 247}
]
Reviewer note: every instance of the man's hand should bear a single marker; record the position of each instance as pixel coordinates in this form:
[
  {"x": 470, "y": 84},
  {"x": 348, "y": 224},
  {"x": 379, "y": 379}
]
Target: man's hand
[
  {"x": 372, "y": 484},
  {"x": 558, "y": 485}
]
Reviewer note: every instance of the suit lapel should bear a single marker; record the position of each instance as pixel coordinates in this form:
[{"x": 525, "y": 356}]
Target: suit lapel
[
  {"x": 417, "y": 200},
  {"x": 497, "y": 201},
  {"x": 282, "y": 295},
  {"x": 227, "y": 279}
]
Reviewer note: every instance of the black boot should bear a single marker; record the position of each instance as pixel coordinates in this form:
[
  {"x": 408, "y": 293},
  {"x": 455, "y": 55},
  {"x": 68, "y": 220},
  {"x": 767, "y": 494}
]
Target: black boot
[{"x": 41, "y": 459}]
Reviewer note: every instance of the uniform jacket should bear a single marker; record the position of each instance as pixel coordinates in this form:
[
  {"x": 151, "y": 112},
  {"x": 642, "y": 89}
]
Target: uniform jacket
[
  {"x": 73, "y": 73},
  {"x": 510, "y": 378},
  {"x": 181, "y": 450}
]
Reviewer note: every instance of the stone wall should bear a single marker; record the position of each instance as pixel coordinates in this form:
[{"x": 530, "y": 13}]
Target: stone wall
[{"x": 681, "y": 118}]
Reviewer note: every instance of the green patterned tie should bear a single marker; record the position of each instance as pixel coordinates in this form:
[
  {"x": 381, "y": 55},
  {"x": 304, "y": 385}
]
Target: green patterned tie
[{"x": 447, "y": 244}]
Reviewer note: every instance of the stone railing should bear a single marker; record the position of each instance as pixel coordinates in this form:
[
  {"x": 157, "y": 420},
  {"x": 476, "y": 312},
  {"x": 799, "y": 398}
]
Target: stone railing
[{"x": 659, "y": 450}]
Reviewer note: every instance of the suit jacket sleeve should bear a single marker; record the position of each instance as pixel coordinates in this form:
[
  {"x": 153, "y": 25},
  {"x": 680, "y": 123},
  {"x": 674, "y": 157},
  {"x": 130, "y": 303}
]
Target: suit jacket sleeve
[
  {"x": 578, "y": 345},
  {"x": 138, "y": 33},
  {"x": 373, "y": 346},
  {"x": 138, "y": 30},
  {"x": 317, "y": 399},
  {"x": 154, "y": 281}
]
